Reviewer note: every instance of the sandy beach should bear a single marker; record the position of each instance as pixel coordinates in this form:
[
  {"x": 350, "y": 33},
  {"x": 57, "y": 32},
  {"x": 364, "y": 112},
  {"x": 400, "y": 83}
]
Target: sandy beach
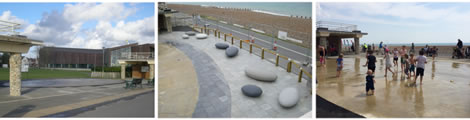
[{"x": 296, "y": 27}]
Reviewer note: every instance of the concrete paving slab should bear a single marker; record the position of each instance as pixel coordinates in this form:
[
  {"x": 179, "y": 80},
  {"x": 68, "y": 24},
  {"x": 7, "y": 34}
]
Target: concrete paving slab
[{"x": 232, "y": 70}]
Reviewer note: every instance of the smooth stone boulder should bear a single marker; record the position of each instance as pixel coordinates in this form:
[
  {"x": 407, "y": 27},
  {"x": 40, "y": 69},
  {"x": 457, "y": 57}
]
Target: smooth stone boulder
[
  {"x": 252, "y": 90},
  {"x": 190, "y": 33},
  {"x": 185, "y": 36},
  {"x": 289, "y": 97},
  {"x": 260, "y": 74},
  {"x": 231, "y": 51},
  {"x": 201, "y": 36},
  {"x": 221, "y": 45}
]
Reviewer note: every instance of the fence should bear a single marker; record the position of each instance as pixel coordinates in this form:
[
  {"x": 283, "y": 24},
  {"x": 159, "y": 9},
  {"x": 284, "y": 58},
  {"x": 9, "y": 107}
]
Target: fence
[
  {"x": 110, "y": 75},
  {"x": 279, "y": 60},
  {"x": 336, "y": 26}
]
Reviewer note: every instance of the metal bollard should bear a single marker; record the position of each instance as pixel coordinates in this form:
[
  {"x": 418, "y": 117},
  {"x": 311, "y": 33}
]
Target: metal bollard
[
  {"x": 300, "y": 74},
  {"x": 241, "y": 44},
  {"x": 289, "y": 65},
  {"x": 262, "y": 53},
  {"x": 277, "y": 59},
  {"x": 251, "y": 47},
  {"x": 232, "y": 40}
]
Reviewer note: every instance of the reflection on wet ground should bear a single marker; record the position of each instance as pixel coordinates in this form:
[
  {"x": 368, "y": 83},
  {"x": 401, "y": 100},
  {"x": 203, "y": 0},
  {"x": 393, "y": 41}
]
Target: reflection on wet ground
[{"x": 444, "y": 92}]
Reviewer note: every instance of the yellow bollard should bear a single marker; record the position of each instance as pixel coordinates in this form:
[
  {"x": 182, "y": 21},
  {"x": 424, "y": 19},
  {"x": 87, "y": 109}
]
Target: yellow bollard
[
  {"x": 262, "y": 53},
  {"x": 300, "y": 75},
  {"x": 215, "y": 33},
  {"x": 289, "y": 65},
  {"x": 232, "y": 40},
  {"x": 277, "y": 59},
  {"x": 251, "y": 47},
  {"x": 219, "y": 34}
]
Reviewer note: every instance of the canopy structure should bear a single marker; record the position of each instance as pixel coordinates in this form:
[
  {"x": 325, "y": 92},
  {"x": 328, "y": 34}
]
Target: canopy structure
[{"x": 15, "y": 45}]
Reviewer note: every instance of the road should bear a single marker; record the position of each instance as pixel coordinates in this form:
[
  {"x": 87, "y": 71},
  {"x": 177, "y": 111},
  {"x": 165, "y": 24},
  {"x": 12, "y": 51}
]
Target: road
[
  {"x": 297, "y": 53},
  {"x": 141, "y": 106}
]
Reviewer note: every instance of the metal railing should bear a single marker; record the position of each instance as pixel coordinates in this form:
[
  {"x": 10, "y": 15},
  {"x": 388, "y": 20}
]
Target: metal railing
[
  {"x": 137, "y": 55},
  {"x": 336, "y": 26},
  {"x": 265, "y": 54},
  {"x": 9, "y": 27}
]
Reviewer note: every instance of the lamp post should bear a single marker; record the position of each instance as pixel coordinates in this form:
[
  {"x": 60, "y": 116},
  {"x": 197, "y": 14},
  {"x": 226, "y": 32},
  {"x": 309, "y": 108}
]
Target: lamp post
[{"x": 102, "y": 66}]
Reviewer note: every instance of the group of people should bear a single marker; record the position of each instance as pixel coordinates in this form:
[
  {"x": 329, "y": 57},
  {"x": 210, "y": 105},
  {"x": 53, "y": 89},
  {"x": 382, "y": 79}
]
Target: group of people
[{"x": 410, "y": 65}]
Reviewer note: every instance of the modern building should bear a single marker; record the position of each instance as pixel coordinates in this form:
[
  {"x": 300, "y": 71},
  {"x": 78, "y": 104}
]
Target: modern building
[
  {"x": 78, "y": 58},
  {"x": 59, "y": 57}
]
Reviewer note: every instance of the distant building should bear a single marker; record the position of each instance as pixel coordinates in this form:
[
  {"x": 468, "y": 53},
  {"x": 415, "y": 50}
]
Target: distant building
[{"x": 58, "y": 57}]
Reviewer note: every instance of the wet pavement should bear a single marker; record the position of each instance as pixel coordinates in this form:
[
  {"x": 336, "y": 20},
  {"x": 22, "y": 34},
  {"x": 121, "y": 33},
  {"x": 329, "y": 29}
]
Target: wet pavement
[{"x": 444, "y": 92}]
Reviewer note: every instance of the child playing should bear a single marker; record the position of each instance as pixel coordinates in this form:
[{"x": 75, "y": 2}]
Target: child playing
[
  {"x": 388, "y": 63},
  {"x": 339, "y": 63},
  {"x": 412, "y": 64},
  {"x": 395, "y": 57},
  {"x": 403, "y": 58},
  {"x": 406, "y": 65},
  {"x": 370, "y": 82},
  {"x": 371, "y": 60},
  {"x": 421, "y": 59}
]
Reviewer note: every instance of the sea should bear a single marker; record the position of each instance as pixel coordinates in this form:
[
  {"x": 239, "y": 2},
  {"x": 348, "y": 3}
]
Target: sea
[{"x": 274, "y": 8}]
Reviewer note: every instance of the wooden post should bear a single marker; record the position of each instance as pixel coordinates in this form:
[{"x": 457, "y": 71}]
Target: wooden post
[
  {"x": 215, "y": 33},
  {"x": 251, "y": 47},
  {"x": 241, "y": 44},
  {"x": 219, "y": 34},
  {"x": 300, "y": 74},
  {"x": 289, "y": 65},
  {"x": 232, "y": 40},
  {"x": 225, "y": 37},
  {"x": 262, "y": 53},
  {"x": 277, "y": 59}
]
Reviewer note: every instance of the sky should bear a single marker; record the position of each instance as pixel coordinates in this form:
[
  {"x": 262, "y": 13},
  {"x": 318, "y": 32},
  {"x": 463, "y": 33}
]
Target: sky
[
  {"x": 402, "y": 22},
  {"x": 82, "y": 25}
]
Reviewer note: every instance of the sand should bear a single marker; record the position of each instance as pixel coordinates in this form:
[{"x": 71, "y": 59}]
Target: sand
[{"x": 297, "y": 28}]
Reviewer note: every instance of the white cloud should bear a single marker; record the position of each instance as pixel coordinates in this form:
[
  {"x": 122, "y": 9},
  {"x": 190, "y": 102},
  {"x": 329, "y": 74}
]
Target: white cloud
[
  {"x": 7, "y": 16},
  {"x": 65, "y": 29}
]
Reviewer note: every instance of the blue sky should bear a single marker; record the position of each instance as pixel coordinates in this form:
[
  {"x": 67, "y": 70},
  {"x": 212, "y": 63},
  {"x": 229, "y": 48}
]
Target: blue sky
[
  {"x": 402, "y": 22},
  {"x": 82, "y": 25}
]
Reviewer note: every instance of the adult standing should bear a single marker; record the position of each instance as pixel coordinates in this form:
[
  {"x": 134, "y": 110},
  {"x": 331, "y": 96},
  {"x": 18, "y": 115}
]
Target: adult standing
[
  {"x": 412, "y": 50},
  {"x": 380, "y": 47},
  {"x": 402, "y": 58},
  {"x": 322, "y": 53},
  {"x": 460, "y": 44}
]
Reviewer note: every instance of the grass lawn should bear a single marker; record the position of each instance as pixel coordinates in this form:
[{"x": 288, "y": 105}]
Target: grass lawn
[{"x": 44, "y": 73}]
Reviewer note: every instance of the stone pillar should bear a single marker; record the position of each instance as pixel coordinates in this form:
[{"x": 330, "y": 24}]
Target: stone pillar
[
  {"x": 15, "y": 74},
  {"x": 323, "y": 42},
  {"x": 356, "y": 45},
  {"x": 152, "y": 71},
  {"x": 123, "y": 71}
]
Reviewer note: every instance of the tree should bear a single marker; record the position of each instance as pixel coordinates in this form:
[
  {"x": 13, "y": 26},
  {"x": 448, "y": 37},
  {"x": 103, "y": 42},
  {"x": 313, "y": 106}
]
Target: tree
[{"x": 6, "y": 59}]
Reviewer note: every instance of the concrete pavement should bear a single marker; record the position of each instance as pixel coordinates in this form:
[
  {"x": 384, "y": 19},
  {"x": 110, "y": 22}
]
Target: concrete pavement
[{"x": 444, "y": 92}]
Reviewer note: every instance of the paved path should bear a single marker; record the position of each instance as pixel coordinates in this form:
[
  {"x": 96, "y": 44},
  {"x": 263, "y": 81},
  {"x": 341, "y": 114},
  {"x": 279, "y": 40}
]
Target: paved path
[
  {"x": 139, "y": 106},
  {"x": 214, "y": 93},
  {"x": 444, "y": 92},
  {"x": 233, "y": 73},
  {"x": 178, "y": 87},
  {"x": 36, "y": 102}
]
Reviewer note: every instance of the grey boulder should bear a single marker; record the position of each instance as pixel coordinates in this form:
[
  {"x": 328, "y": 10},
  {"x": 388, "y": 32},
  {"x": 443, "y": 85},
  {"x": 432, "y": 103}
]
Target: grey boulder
[
  {"x": 260, "y": 74},
  {"x": 190, "y": 33},
  {"x": 252, "y": 90},
  {"x": 185, "y": 36},
  {"x": 231, "y": 51},
  {"x": 289, "y": 97},
  {"x": 221, "y": 45},
  {"x": 201, "y": 36}
]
